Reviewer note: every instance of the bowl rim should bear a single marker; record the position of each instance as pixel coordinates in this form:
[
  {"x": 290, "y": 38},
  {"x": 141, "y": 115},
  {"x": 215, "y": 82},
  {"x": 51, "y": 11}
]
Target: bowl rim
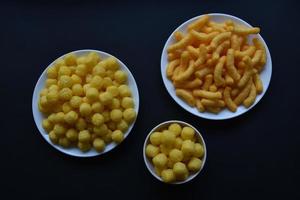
[
  {"x": 66, "y": 151},
  {"x": 148, "y": 162},
  {"x": 204, "y": 116}
]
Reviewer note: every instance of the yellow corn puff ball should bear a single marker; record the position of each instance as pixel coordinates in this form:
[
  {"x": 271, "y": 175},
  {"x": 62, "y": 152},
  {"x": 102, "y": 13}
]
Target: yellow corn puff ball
[
  {"x": 65, "y": 94},
  {"x": 52, "y": 72},
  {"x": 64, "y": 70},
  {"x": 127, "y": 102},
  {"x": 168, "y": 138},
  {"x": 59, "y": 130},
  {"x": 194, "y": 164},
  {"x": 47, "y": 125},
  {"x": 71, "y": 117},
  {"x": 120, "y": 76},
  {"x": 124, "y": 91},
  {"x": 59, "y": 117},
  {"x": 198, "y": 150},
  {"x": 53, "y": 87},
  {"x": 178, "y": 143},
  {"x": 112, "y": 125},
  {"x": 99, "y": 144},
  {"x": 88, "y": 78},
  {"x": 85, "y": 109},
  {"x": 51, "y": 118},
  {"x": 111, "y": 64},
  {"x": 70, "y": 59},
  {"x": 122, "y": 125},
  {"x": 66, "y": 107},
  {"x": 106, "y": 82},
  {"x": 164, "y": 149},
  {"x": 106, "y": 115},
  {"x": 129, "y": 115},
  {"x": 96, "y": 82},
  {"x": 97, "y": 119},
  {"x": 115, "y": 104},
  {"x": 107, "y": 138},
  {"x": 151, "y": 150},
  {"x": 44, "y": 92},
  {"x": 100, "y": 130},
  {"x": 84, "y": 147},
  {"x": 188, "y": 147},
  {"x": 158, "y": 170},
  {"x": 53, "y": 137},
  {"x": 72, "y": 135},
  {"x": 180, "y": 171},
  {"x": 52, "y": 97},
  {"x": 155, "y": 138},
  {"x": 84, "y": 136},
  {"x": 50, "y": 82},
  {"x": 106, "y": 98},
  {"x": 44, "y": 102},
  {"x": 116, "y": 115},
  {"x": 86, "y": 87},
  {"x": 97, "y": 107},
  {"x": 81, "y": 124},
  {"x": 187, "y": 133},
  {"x": 92, "y": 94},
  {"x": 175, "y": 128},
  {"x": 99, "y": 69},
  {"x": 76, "y": 79},
  {"x": 65, "y": 81},
  {"x": 64, "y": 142},
  {"x": 113, "y": 90},
  {"x": 176, "y": 155},
  {"x": 75, "y": 101},
  {"x": 117, "y": 136},
  {"x": 81, "y": 70},
  {"x": 160, "y": 160},
  {"x": 77, "y": 90},
  {"x": 168, "y": 175}
]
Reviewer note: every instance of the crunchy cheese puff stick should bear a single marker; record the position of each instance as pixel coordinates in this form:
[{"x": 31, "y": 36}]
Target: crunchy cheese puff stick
[
  {"x": 194, "y": 52},
  {"x": 203, "y": 72},
  {"x": 248, "y": 73},
  {"x": 230, "y": 65},
  {"x": 258, "y": 83},
  {"x": 181, "y": 44},
  {"x": 212, "y": 88},
  {"x": 230, "y": 104},
  {"x": 220, "y": 49},
  {"x": 259, "y": 45},
  {"x": 217, "y": 40},
  {"x": 174, "y": 55},
  {"x": 245, "y": 31},
  {"x": 228, "y": 80},
  {"x": 186, "y": 96},
  {"x": 203, "y": 37},
  {"x": 214, "y": 110},
  {"x": 212, "y": 103},
  {"x": 219, "y": 80},
  {"x": 251, "y": 98},
  {"x": 236, "y": 42},
  {"x": 202, "y": 56},
  {"x": 207, "y": 81},
  {"x": 196, "y": 83},
  {"x": 187, "y": 73},
  {"x": 199, "y": 23},
  {"x": 207, "y": 94},
  {"x": 178, "y": 36},
  {"x": 243, "y": 94},
  {"x": 199, "y": 105},
  {"x": 249, "y": 52},
  {"x": 171, "y": 66},
  {"x": 257, "y": 57}
]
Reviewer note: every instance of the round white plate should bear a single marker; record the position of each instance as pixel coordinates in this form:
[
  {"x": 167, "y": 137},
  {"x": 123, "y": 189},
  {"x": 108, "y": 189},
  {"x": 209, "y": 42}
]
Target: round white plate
[
  {"x": 164, "y": 125},
  {"x": 38, "y": 116},
  {"x": 265, "y": 75}
]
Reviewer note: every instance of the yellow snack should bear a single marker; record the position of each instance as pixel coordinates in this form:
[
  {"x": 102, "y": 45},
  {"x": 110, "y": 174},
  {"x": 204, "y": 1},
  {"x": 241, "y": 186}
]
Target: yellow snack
[
  {"x": 65, "y": 94},
  {"x": 100, "y": 130},
  {"x": 207, "y": 94},
  {"x": 219, "y": 80},
  {"x": 176, "y": 155},
  {"x": 151, "y": 150},
  {"x": 218, "y": 51},
  {"x": 187, "y": 73},
  {"x": 122, "y": 125},
  {"x": 50, "y": 82},
  {"x": 180, "y": 171},
  {"x": 84, "y": 136},
  {"x": 117, "y": 136},
  {"x": 96, "y": 82},
  {"x": 47, "y": 125},
  {"x": 120, "y": 76},
  {"x": 217, "y": 40},
  {"x": 52, "y": 97},
  {"x": 76, "y": 79},
  {"x": 199, "y": 23},
  {"x": 165, "y": 149},
  {"x": 59, "y": 130},
  {"x": 202, "y": 56},
  {"x": 127, "y": 102},
  {"x": 160, "y": 160},
  {"x": 155, "y": 138},
  {"x": 53, "y": 137},
  {"x": 180, "y": 44},
  {"x": 198, "y": 150},
  {"x": 113, "y": 90},
  {"x": 178, "y": 143},
  {"x": 175, "y": 128},
  {"x": 99, "y": 144},
  {"x": 203, "y": 37},
  {"x": 230, "y": 65},
  {"x": 243, "y": 94},
  {"x": 186, "y": 96},
  {"x": 196, "y": 83},
  {"x": 85, "y": 109},
  {"x": 116, "y": 115},
  {"x": 178, "y": 35},
  {"x": 203, "y": 72},
  {"x": 106, "y": 98},
  {"x": 52, "y": 72},
  {"x": 115, "y": 104},
  {"x": 188, "y": 147},
  {"x": 248, "y": 73},
  {"x": 65, "y": 81},
  {"x": 59, "y": 117},
  {"x": 167, "y": 138},
  {"x": 75, "y": 101},
  {"x": 97, "y": 119},
  {"x": 72, "y": 135},
  {"x": 194, "y": 164},
  {"x": 227, "y": 98},
  {"x": 251, "y": 98},
  {"x": 64, "y": 142},
  {"x": 258, "y": 83},
  {"x": 199, "y": 105},
  {"x": 187, "y": 133},
  {"x": 81, "y": 124},
  {"x": 64, "y": 70},
  {"x": 168, "y": 175},
  {"x": 208, "y": 80},
  {"x": 92, "y": 94},
  {"x": 248, "y": 52},
  {"x": 245, "y": 31},
  {"x": 129, "y": 115},
  {"x": 84, "y": 146}
]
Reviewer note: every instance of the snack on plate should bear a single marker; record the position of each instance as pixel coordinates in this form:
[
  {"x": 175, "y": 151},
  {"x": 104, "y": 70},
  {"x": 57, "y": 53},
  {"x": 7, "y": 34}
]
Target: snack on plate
[
  {"x": 175, "y": 152},
  {"x": 213, "y": 66},
  {"x": 87, "y": 102}
]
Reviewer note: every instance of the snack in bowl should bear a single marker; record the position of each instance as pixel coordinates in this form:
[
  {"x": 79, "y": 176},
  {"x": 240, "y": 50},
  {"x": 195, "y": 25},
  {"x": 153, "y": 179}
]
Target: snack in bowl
[
  {"x": 212, "y": 65},
  {"x": 86, "y": 102},
  {"x": 174, "y": 152}
]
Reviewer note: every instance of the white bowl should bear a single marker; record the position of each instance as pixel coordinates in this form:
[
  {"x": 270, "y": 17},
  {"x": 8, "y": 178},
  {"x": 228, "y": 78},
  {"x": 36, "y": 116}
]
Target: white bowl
[
  {"x": 164, "y": 125},
  {"x": 38, "y": 116},
  {"x": 265, "y": 75}
]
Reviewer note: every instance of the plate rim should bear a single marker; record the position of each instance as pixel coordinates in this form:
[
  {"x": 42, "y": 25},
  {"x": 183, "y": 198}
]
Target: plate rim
[
  {"x": 203, "y": 115},
  {"x": 35, "y": 96}
]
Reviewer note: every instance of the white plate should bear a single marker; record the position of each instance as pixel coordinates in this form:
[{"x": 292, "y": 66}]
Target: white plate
[
  {"x": 164, "y": 125},
  {"x": 38, "y": 116},
  {"x": 265, "y": 75}
]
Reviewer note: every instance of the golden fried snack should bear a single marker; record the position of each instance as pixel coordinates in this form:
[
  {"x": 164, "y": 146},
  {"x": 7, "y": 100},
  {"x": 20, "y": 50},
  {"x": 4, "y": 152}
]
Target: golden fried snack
[
  {"x": 219, "y": 80},
  {"x": 186, "y": 96},
  {"x": 227, "y": 98}
]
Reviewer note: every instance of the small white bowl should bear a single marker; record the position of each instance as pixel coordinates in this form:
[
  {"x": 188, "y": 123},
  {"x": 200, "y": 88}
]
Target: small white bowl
[
  {"x": 38, "y": 116},
  {"x": 162, "y": 126},
  {"x": 265, "y": 75}
]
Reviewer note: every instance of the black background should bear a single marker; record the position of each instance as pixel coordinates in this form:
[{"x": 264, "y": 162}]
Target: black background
[{"x": 253, "y": 156}]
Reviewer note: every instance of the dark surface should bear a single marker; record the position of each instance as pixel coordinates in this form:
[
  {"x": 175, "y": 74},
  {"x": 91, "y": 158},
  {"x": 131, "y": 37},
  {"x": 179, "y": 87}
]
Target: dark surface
[{"x": 255, "y": 156}]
